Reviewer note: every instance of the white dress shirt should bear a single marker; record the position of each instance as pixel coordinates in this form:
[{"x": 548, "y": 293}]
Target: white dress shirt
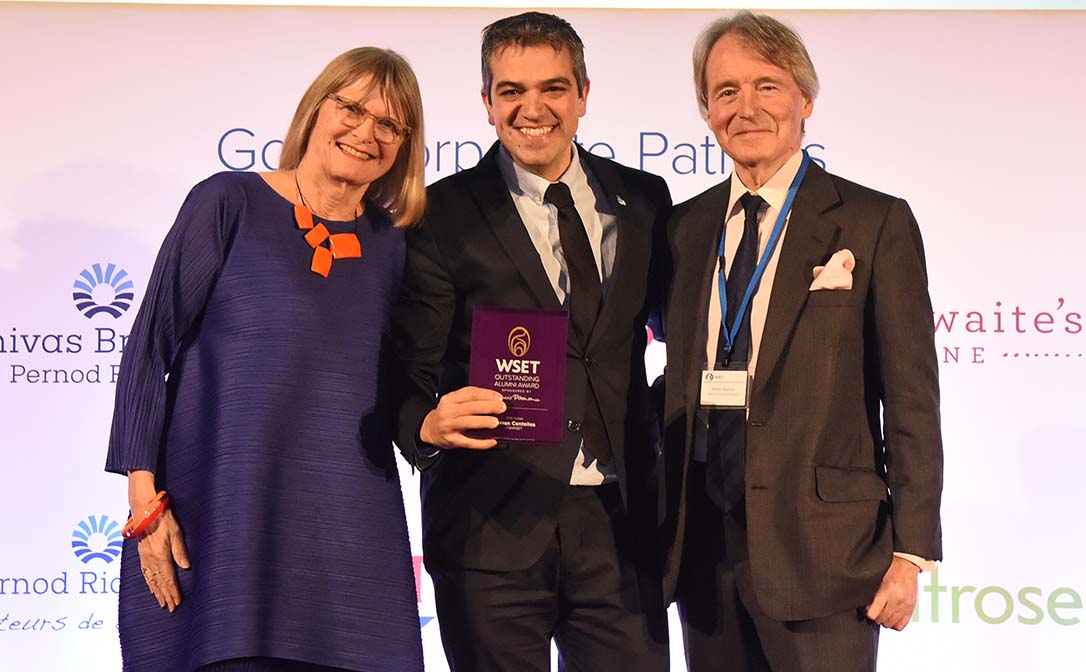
[
  {"x": 773, "y": 192},
  {"x": 541, "y": 221}
]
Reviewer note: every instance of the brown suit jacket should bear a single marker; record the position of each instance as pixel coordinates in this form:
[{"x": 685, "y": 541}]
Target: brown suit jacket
[{"x": 844, "y": 455}]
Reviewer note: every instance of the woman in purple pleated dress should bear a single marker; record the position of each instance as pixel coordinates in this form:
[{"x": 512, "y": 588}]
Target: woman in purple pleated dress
[{"x": 251, "y": 392}]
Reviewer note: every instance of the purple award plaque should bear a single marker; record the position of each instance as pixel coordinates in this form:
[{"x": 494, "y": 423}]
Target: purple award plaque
[{"x": 522, "y": 354}]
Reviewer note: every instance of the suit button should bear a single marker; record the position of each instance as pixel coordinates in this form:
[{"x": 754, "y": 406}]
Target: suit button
[
  {"x": 573, "y": 426},
  {"x": 589, "y": 361}
]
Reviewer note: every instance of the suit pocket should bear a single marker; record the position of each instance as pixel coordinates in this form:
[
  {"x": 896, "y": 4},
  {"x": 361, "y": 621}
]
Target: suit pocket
[
  {"x": 837, "y": 484},
  {"x": 831, "y": 297}
]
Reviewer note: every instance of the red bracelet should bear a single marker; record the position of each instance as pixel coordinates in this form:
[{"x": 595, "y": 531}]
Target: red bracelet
[{"x": 155, "y": 507}]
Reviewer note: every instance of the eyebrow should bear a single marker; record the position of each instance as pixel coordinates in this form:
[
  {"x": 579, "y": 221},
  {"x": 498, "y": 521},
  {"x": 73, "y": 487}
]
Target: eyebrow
[
  {"x": 390, "y": 108},
  {"x": 732, "y": 84},
  {"x": 546, "y": 82}
]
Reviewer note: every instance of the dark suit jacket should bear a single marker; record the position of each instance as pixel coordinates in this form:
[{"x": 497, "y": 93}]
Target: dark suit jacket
[
  {"x": 832, "y": 489},
  {"x": 497, "y": 509}
]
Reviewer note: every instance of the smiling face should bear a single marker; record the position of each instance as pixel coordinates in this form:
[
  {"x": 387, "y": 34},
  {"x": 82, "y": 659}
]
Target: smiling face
[
  {"x": 534, "y": 106},
  {"x": 346, "y": 154},
  {"x": 756, "y": 109}
]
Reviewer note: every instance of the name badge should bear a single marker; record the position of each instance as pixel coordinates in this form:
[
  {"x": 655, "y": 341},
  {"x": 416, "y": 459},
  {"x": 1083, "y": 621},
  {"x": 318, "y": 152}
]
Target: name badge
[{"x": 725, "y": 388}]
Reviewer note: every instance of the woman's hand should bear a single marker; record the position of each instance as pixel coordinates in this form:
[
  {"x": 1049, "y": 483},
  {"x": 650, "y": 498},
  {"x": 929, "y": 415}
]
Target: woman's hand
[{"x": 161, "y": 546}]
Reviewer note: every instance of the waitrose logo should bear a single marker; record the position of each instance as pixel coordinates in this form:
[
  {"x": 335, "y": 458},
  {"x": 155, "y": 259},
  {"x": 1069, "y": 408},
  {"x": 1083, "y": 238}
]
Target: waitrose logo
[{"x": 996, "y": 605}]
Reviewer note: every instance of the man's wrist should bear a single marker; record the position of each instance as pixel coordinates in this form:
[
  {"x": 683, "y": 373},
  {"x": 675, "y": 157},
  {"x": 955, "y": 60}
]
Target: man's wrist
[
  {"x": 426, "y": 451},
  {"x": 922, "y": 564}
]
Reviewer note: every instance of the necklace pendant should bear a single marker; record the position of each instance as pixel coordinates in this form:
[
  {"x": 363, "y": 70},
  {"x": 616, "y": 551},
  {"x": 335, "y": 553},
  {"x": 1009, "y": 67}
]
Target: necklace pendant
[
  {"x": 345, "y": 246},
  {"x": 317, "y": 235},
  {"x": 303, "y": 216},
  {"x": 339, "y": 245},
  {"x": 322, "y": 261}
]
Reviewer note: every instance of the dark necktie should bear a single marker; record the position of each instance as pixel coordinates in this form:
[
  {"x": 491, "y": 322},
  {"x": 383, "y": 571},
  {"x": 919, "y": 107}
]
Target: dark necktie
[
  {"x": 585, "y": 293},
  {"x": 727, "y": 435}
]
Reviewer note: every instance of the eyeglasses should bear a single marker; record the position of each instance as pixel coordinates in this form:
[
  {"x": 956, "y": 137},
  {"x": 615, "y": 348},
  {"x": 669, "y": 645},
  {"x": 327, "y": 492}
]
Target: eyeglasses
[{"x": 351, "y": 114}]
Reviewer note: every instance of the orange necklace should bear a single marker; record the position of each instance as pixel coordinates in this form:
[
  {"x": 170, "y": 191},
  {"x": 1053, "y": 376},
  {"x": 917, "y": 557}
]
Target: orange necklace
[{"x": 326, "y": 246}]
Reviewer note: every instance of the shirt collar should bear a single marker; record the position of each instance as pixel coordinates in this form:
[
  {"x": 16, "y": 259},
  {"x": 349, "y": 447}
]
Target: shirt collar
[
  {"x": 524, "y": 183},
  {"x": 774, "y": 191}
]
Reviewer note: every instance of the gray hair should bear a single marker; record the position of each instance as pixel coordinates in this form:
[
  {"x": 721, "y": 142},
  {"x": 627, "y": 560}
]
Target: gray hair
[{"x": 774, "y": 41}]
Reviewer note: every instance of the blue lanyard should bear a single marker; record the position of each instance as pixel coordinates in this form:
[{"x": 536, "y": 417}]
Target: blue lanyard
[{"x": 778, "y": 227}]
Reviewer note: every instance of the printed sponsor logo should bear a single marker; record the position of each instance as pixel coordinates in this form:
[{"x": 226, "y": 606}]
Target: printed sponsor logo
[{"x": 108, "y": 291}]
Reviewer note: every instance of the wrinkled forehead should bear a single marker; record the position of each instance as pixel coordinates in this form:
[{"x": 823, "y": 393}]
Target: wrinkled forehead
[
  {"x": 773, "y": 57},
  {"x": 366, "y": 86}
]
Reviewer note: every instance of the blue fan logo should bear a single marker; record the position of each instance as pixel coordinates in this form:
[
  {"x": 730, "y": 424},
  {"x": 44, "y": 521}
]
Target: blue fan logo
[
  {"x": 98, "y": 291},
  {"x": 97, "y": 538}
]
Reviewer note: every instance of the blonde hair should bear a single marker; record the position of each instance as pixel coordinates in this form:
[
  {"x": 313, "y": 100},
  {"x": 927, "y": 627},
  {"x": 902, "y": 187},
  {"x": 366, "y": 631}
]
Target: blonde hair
[
  {"x": 402, "y": 190},
  {"x": 774, "y": 41}
]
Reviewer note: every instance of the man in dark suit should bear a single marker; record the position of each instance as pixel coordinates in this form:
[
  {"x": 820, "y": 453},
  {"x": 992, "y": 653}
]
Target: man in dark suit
[
  {"x": 802, "y": 449},
  {"x": 526, "y": 543}
]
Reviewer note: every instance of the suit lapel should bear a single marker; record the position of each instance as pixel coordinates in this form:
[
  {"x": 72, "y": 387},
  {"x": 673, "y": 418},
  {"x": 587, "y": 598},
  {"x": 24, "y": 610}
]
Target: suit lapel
[
  {"x": 627, "y": 212},
  {"x": 810, "y": 235},
  {"x": 492, "y": 194},
  {"x": 702, "y": 235}
]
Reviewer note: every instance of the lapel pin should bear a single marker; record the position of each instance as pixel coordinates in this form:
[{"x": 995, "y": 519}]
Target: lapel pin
[{"x": 621, "y": 201}]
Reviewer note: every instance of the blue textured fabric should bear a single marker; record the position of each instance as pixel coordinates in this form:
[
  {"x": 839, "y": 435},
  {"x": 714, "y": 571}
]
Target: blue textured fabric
[
  {"x": 265, "y": 665},
  {"x": 249, "y": 385}
]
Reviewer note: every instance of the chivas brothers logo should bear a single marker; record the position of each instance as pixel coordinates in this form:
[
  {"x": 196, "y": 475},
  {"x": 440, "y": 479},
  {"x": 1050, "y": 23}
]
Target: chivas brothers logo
[{"x": 109, "y": 292}]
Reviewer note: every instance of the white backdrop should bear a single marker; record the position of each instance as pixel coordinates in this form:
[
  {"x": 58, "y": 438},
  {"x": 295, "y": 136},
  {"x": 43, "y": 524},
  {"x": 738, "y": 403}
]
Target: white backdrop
[{"x": 110, "y": 113}]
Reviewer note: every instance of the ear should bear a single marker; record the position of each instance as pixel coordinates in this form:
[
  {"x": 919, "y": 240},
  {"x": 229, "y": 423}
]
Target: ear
[
  {"x": 582, "y": 104},
  {"x": 808, "y": 107},
  {"x": 486, "y": 103}
]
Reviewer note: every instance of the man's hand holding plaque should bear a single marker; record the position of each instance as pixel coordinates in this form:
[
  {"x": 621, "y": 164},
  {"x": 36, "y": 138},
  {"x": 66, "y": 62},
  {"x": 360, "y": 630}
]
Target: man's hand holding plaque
[
  {"x": 460, "y": 411},
  {"x": 521, "y": 356}
]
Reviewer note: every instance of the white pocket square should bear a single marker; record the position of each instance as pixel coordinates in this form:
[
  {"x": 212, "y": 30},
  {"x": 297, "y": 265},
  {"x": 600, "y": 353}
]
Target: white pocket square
[{"x": 836, "y": 274}]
